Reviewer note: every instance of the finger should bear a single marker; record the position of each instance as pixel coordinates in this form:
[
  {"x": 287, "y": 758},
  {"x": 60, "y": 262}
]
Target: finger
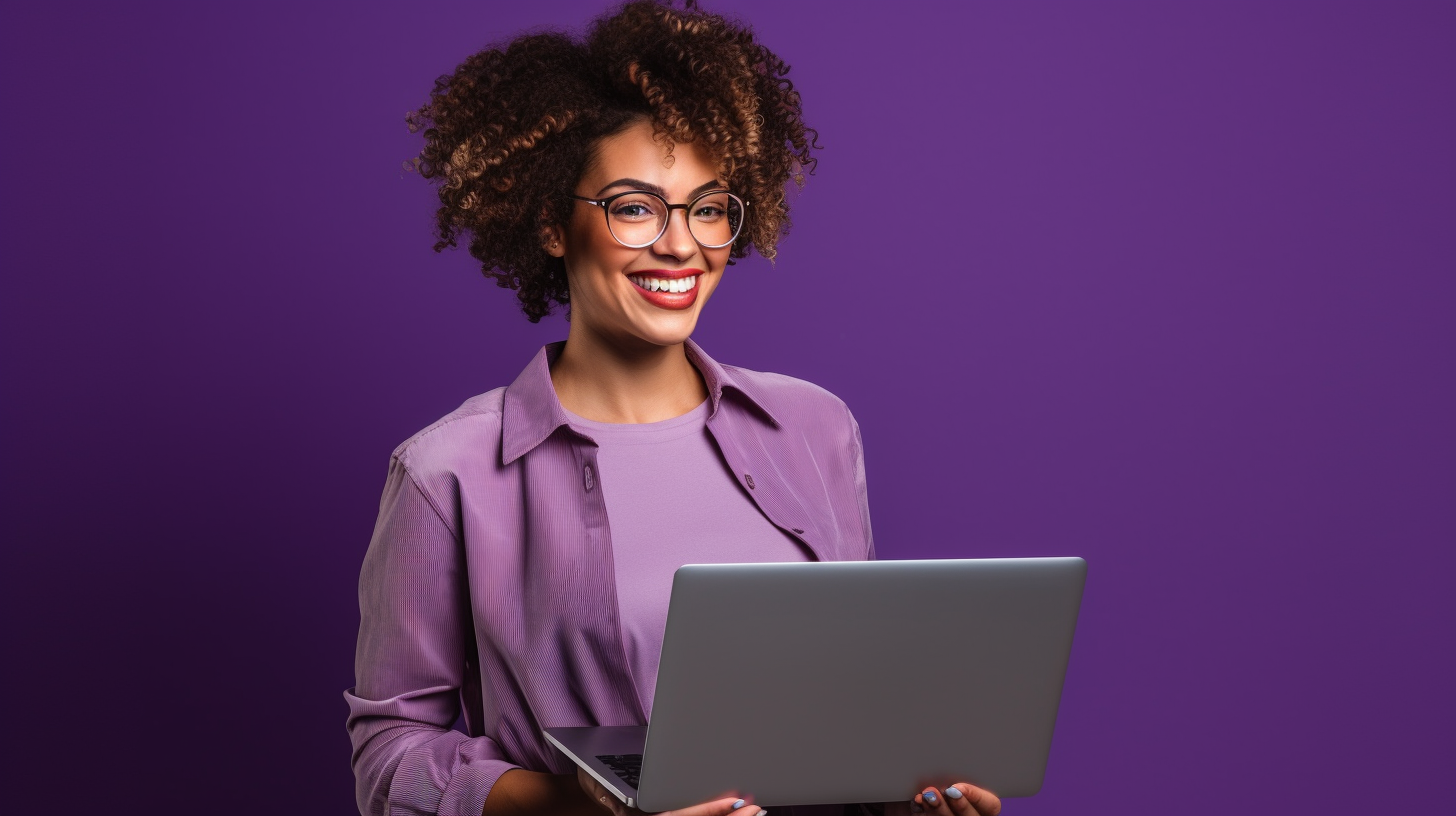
[
  {"x": 612, "y": 804},
  {"x": 932, "y": 801},
  {"x": 978, "y": 800},
  {"x": 956, "y": 801},
  {"x": 720, "y": 807},
  {"x": 599, "y": 794}
]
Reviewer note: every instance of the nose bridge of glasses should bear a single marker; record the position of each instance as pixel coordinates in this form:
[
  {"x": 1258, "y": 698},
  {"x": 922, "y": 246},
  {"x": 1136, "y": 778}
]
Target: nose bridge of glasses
[
  {"x": 686, "y": 210},
  {"x": 667, "y": 229}
]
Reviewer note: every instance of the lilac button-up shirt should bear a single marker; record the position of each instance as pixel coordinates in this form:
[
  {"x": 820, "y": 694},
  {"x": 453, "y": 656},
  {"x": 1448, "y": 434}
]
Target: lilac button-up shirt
[{"x": 489, "y": 582}]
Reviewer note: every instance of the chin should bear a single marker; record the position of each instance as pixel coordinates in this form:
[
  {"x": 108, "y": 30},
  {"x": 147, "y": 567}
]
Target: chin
[
  {"x": 665, "y": 330},
  {"x": 666, "y": 337}
]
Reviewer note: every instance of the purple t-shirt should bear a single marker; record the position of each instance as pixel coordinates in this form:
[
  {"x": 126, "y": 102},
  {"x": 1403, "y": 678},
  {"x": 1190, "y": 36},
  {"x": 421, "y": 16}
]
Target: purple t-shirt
[{"x": 671, "y": 500}]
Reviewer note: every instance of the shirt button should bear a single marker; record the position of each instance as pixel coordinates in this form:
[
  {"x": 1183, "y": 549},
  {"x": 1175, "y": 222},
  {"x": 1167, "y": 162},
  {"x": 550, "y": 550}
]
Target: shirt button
[
  {"x": 587, "y": 478},
  {"x": 749, "y": 479}
]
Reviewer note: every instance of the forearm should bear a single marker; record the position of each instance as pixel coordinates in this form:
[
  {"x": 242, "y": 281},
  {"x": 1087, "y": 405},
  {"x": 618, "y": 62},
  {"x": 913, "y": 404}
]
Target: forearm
[{"x": 519, "y": 792}]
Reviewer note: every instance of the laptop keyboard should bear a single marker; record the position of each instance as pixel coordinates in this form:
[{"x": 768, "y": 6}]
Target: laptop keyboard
[{"x": 627, "y": 766}]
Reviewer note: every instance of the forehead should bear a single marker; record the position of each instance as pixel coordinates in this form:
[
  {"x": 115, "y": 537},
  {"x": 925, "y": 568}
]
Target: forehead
[{"x": 634, "y": 154}]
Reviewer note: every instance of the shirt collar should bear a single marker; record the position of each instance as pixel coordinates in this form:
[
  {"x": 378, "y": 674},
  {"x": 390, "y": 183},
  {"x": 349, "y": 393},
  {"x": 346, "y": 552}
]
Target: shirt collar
[{"x": 532, "y": 412}]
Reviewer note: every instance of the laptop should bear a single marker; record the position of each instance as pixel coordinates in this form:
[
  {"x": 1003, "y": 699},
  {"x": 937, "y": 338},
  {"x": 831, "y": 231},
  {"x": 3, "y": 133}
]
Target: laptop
[{"x": 840, "y": 682}]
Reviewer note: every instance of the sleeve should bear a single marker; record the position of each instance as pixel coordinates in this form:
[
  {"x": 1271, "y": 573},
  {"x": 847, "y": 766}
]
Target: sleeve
[
  {"x": 409, "y": 667},
  {"x": 861, "y": 490},
  {"x": 862, "y": 494}
]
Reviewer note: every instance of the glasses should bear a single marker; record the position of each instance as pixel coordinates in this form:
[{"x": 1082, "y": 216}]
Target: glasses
[{"x": 638, "y": 218}]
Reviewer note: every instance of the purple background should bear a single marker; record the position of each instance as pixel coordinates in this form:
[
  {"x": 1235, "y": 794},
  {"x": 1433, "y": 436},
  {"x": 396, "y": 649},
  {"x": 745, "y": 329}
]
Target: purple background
[{"x": 1165, "y": 285}]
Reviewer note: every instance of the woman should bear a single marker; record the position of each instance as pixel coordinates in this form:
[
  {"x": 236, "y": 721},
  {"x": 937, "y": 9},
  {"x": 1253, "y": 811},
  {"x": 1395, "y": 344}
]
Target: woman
[{"x": 522, "y": 559}]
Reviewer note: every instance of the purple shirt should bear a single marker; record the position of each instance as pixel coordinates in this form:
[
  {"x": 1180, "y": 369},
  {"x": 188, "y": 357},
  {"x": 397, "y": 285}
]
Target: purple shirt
[
  {"x": 489, "y": 582},
  {"x": 671, "y": 500}
]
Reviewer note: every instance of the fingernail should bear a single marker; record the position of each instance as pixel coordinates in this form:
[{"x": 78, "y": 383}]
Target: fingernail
[
  {"x": 954, "y": 793},
  {"x": 930, "y": 796},
  {"x": 740, "y": 803}
]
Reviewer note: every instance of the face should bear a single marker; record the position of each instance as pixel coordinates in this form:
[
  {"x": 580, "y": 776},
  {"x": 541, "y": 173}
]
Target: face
[{"x": 612, "y": 286}]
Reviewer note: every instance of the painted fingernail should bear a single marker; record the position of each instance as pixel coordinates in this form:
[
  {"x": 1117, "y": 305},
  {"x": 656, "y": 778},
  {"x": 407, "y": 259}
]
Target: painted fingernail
[
  {"x": 954, "y": 793},
  {"x": 930, "y": 796},
  {"x": 740, "y": 803}
]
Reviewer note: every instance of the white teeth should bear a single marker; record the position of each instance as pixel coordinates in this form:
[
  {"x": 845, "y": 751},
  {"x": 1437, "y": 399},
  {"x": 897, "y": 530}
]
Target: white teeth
[{"x": 674, "y": 285}]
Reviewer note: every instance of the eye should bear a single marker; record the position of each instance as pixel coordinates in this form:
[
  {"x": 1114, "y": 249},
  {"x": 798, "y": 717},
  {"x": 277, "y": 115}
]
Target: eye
[
  {"x": 636, "y": 207},
  {"x": 709, "y": 212},
  {"x": 632, "y": 210}
]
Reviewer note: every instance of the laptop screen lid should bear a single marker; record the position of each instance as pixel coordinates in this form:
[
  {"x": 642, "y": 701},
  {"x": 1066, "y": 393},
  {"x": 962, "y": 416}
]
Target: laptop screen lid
[{"x": 830, "y": 682}]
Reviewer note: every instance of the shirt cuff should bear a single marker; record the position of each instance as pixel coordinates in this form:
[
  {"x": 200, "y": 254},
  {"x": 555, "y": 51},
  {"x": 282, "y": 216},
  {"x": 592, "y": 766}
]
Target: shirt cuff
[{"x": 423, "y": 784}]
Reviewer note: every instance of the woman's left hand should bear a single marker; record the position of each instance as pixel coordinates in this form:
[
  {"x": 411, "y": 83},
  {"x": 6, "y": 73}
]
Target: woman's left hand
[{"x": 967, "y": 800}]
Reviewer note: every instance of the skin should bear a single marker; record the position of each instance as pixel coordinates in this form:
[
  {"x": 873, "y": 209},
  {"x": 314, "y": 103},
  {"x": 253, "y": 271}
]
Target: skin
[{"x": 624, "y": 362}]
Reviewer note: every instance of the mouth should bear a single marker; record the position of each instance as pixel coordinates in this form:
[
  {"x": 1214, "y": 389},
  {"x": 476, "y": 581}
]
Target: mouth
[
  {"x": 656, "y": 284},
  {"x": 667, "y": 288}
]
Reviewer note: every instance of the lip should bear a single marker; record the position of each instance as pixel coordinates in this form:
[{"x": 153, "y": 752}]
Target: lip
[
  {"x": 668, "y": 300},
  {"x": 666, "y": 274}
]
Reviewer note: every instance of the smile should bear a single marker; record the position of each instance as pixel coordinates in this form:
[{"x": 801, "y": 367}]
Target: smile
[{"x": 671, "y": 285}]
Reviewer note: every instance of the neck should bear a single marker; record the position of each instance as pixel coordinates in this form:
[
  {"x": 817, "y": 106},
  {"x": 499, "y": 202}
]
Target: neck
[{"x": 607, "y": 381}]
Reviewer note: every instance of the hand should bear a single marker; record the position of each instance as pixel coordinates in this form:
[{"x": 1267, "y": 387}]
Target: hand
[
  {"x": 611, "y": 804},
  {"x": 968, "y": 800}
]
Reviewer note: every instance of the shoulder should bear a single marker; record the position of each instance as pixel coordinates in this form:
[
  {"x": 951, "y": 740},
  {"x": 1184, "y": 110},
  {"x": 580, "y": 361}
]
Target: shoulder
[
  {"x": 790, "y": 400},
  {"x": 800, "y": 409},
  {"x": 466, "y": 437}
]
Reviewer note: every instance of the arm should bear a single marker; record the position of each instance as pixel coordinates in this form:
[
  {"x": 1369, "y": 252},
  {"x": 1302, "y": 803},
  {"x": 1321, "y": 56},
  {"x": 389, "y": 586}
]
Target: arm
[
  {"x": 410, "y": 665},
  {"x": 860, "y": 486},
  {"x": 520, "y": 792}
]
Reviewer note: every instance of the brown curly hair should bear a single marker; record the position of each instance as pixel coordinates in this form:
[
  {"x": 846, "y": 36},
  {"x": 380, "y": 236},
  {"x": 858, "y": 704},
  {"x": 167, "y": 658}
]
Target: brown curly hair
[{"x": 514, "y": 127}]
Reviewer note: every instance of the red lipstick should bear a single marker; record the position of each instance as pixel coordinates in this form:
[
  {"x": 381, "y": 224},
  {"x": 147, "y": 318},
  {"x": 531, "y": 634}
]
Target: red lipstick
[{"x": 667, "y": 288}]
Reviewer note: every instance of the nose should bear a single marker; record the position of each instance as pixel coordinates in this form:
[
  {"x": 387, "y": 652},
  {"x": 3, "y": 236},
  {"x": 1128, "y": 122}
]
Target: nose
[{"x": 677, "y": 240}]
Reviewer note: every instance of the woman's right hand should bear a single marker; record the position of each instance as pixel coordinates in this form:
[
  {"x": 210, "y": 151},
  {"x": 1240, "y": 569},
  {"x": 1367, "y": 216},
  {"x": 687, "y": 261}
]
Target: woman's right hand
[{"x": 611, "y": 804}]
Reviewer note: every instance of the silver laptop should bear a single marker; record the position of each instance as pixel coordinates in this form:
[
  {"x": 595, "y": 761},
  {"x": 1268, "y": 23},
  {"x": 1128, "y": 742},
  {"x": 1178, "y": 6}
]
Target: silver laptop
[{"x": 838, "y": 682}]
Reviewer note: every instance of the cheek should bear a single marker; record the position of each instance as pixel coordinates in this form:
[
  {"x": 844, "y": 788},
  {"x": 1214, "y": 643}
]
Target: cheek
[
  {"x": 718, "y": 263},
  {"x": 587, "y": 234},
  {"x": 593, "y": 264},
  {"x": 716, "y": 268}
]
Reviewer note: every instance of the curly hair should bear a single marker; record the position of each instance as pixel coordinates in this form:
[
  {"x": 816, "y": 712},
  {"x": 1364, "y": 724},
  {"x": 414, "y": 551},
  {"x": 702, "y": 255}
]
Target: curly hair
[{"x": 515, "y": 125}]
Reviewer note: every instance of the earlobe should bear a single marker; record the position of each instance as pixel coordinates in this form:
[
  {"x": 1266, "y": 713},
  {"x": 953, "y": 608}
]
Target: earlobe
[{"x": 551, "y": 242}]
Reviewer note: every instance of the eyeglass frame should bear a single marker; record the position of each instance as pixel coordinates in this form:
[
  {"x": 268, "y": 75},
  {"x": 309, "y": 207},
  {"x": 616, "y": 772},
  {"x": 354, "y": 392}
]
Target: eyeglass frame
[{"x": 606, "y": 213}]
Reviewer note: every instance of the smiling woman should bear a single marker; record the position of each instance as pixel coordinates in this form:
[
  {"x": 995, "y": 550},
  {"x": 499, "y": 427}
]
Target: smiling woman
[
  {"x": 522, "y": 561},
  {"x": 511, "y": 133},
  {"x": 635, "y": 302}
]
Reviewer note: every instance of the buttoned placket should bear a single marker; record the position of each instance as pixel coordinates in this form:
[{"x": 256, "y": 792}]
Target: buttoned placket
[{"x": 601, "y": 535}]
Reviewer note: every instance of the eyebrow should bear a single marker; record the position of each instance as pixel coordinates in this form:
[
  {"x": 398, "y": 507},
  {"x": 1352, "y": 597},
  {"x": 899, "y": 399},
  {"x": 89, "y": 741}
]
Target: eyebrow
[{"x": 638, "y": 184}]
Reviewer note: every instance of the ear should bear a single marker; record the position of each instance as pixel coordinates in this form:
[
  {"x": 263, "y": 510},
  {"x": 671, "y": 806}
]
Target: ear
[{"x": 553, "y": 242}]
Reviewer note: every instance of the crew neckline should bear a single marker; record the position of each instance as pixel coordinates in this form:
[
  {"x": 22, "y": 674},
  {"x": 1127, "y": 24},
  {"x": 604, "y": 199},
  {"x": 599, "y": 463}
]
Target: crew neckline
[{"x": 659, "y": 431}]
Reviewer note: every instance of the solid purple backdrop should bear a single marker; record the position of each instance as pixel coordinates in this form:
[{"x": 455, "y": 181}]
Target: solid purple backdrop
[{"x": 1165, "y": 285}]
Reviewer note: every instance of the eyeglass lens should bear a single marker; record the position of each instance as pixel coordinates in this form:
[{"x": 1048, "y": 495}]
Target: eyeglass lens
[{"x": 639, "y": 218}]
